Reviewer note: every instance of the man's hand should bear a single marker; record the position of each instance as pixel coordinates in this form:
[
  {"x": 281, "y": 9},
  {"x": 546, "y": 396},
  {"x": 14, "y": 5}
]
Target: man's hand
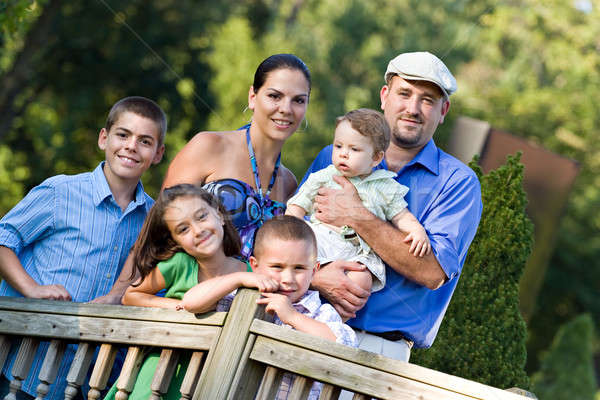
[
  {"x": 50, "y": 292},
  {"x": 344, "y": 295},
  {"x": 337, "y": 206}
]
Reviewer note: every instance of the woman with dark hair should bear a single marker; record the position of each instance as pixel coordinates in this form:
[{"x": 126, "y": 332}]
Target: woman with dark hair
[{"x": 243, "y": 168}]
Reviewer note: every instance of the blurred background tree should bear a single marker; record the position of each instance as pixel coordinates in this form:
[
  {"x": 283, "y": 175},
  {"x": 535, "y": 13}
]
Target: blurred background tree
[{"x": 527, "y": 67}]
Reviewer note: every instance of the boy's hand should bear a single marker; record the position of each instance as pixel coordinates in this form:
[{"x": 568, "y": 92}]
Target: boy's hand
[
  {"x": 261, "y": 282},
  {"x": 420, "y": 246},
  {"x": 278, "y": 304},
  {"x": 50, "y": 292}
]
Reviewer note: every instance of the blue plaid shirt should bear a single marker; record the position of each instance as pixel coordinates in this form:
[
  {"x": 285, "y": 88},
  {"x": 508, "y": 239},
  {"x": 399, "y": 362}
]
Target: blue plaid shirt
[{"x": 70, "y": 231}]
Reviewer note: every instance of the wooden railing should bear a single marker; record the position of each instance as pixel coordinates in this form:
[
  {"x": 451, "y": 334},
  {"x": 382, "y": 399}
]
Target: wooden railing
[{"x": 235, "y": 355}]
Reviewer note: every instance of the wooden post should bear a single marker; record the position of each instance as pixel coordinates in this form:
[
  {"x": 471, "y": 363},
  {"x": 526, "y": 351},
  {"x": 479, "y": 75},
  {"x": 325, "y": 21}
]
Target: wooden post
[
  {"x": 222, "y": 364},
  {"x": 129, "y": 372},
  {"x": 191, "y": 375},
  {"x": 22, "y": 365},
  {"x": 300, "y": 388},
  {"x": 4, "y": 349},
  {"x": 49, "y": 369},
  {"x": 102, "y": 368},
  {"x": 79, "y": 369},
  {"x": 163, "y": 373}
]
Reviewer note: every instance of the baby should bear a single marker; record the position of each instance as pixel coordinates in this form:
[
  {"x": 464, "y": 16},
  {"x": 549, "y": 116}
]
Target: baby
[{"x": 361, "y": 139}]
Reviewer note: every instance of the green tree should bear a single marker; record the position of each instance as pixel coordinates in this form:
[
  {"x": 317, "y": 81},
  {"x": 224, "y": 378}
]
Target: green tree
[
  {"x": 567, "y": 369},
  {"x": 482, "y": 336},
  {"x": 535, "y": 73}
]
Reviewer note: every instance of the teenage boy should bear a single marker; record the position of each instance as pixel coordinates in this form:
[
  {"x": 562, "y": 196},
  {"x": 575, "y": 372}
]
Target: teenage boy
[{"x": 70, "y": 236}]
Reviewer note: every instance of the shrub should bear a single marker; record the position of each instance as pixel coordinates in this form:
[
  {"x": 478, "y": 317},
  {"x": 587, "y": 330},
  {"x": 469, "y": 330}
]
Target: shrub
[
  {"x": 482, "y": 336},
  {"x": 567, "y": 369}
]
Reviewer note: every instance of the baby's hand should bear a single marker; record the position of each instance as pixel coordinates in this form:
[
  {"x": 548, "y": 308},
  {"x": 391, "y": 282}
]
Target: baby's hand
[
  {"x": 261, "y": 282},
  {"x": 420, "y": 245},
  {"x": 179, "y": 307},
  {"x": 278, "y": 304}
]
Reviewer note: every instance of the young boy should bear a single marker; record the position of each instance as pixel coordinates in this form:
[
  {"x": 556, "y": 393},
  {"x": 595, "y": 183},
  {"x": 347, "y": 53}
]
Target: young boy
[
  {"x": 286, "y": 251},
  {"x": 70, "y": 236},
  {"x": 361, "y": 138}
]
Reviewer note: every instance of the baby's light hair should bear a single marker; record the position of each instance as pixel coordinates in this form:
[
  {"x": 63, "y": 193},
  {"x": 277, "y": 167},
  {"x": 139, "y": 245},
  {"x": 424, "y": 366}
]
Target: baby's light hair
[{"x": 369, "y": 123}]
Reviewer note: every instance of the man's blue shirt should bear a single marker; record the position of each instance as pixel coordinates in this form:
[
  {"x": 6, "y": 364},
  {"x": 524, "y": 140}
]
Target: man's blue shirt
[
  {"x": 69, "y": 230},
  {"x": 445, "y": 196}
]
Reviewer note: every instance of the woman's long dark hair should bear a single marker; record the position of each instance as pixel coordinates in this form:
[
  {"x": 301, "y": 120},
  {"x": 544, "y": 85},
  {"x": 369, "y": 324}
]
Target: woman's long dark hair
[{"x": 155, "y": 244}]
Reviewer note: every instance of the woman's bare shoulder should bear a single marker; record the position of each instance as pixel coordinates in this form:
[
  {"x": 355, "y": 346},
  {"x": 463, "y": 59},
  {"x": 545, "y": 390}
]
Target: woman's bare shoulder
[{"x": 199, "y": 157}]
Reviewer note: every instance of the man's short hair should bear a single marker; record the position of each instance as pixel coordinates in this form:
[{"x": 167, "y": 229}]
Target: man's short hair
[
  {"x": 284, "y": 227},
  {"x": 143, "y": 107},
  {"x": 369, "y": 123}
]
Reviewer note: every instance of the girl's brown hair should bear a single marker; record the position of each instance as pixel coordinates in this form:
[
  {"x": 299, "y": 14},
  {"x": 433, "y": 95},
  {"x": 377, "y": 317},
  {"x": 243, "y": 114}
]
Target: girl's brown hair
[{"x": 155, "y": 244}]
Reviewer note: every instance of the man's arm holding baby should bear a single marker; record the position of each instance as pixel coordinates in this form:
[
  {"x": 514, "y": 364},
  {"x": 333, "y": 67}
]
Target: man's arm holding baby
[{"x": 344, "y": 207}]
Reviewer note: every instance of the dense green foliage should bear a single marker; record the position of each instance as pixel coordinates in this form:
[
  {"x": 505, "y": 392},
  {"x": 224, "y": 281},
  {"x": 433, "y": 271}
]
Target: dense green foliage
[
  {"x": 567, "y": 369},
  {"x": 482, "y": 336},
  {"x": 528, "y": 67}
]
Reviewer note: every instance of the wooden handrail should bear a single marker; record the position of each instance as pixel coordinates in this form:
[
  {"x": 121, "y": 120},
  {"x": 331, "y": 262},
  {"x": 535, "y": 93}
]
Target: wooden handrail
[{"x": 235, "y": 355}]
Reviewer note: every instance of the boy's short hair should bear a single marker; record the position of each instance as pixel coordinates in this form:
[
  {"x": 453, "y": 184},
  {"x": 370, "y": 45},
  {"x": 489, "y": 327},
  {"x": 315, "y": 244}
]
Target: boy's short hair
[
  {"x": 284, "y": 227},
  {"x": 143, "y": 107},
  {"x": 369, "y": 123}
]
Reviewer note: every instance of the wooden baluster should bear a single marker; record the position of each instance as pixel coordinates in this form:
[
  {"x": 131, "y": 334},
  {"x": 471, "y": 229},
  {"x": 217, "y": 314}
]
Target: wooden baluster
[
  {"x": 300, "y": 388},
  {"x": 329, "y": 392},
  {"x": 79, "y": 369},
  {"x": 22, "y": 365},
  {"x": 164, "y": 373},
  {"x": 269, "y": 384},
  {"x": 131, "y": 367},
  {"x": 49, "y": 369},
  {"x": 102, "y": 368},
  {"x": 191, "y": 375},
  {"x": 5, "y": 345},
  {"x": 358, "y": 396}
]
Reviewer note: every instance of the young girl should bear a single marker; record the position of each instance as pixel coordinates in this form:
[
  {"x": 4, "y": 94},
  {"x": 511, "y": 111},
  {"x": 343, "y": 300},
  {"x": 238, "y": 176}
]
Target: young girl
[{"x": 185, "y": 240}]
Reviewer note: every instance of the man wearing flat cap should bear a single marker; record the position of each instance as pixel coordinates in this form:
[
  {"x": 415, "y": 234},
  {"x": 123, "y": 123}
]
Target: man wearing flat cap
[{"x": 444, "y": 195}]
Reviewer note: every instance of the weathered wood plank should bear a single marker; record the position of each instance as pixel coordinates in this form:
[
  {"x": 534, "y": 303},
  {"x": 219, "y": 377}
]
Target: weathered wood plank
[
  {"x": 163, "y": 373},
  {"x": 79, "y": 369},
  {"x": 109, "y": 311},
  {"x": 52, "y": 360},
  {"x": 191, "y": 375},
  {"x": 221, "y": 366},
  {"x": 300, "y": 388},
  {"x": 270, "y": 383},
  {"x": 129, "y": 371},
  {"x": 75, "y": 328},
  {"x": 101, "y": 371},
  {"x": 356, "y": 378},
  {"x": 364, "y": 358}
]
